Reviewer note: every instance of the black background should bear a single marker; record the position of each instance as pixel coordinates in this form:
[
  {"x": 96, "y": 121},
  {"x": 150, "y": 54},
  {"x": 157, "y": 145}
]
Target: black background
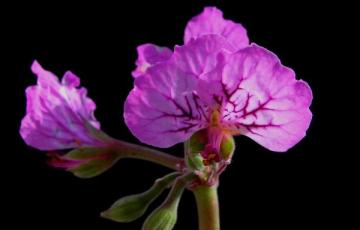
[{"x": 98, "y": 43}]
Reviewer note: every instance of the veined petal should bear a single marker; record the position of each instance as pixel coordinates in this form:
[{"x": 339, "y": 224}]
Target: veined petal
[
  {"x": 199, "y": 56},
  {"x": 148, "y": 55},
  {"x": 70, "y": 79},
  {"x": 211, "y": 21},
  {"x": 45, "y": 78},
  {"x": 58, "y": 115},
  {"x": 263, "y": 100},
  {"x": 163, "y": 109}
]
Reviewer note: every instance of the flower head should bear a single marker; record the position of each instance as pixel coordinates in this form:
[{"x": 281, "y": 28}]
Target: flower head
[
  {"x": 217, "y": 82},
  {"x": 59, "y": 115}
]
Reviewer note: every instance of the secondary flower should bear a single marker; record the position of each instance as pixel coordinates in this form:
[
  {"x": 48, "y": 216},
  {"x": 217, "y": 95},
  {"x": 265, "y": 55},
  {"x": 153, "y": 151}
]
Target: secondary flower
[
  {"x": 216, "y": 82},
  {"x": 58, "y": 114}
]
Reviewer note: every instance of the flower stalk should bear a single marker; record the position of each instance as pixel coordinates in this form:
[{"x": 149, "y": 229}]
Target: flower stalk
[
  {"x": 208, "y": 207},
  {"x": 129, "y": 150}
]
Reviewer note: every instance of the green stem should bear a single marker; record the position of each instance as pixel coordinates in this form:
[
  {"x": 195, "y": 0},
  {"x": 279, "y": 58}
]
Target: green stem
[
  {"x": 129, "y": 150},
  {"x": 208, "y": 207}
]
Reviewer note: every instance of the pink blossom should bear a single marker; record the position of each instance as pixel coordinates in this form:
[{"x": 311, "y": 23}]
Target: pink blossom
[
  {"x": 205, "y": 84},
  {"x": 220, "y": 83},
  {"x": 59, "y": 115}
]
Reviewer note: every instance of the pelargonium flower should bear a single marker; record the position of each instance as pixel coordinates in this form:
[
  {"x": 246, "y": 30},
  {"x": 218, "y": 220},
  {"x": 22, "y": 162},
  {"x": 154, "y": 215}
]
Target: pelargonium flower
[
  {"x": 58, "y": 114},
  {"x": 210, "y": 21},
  {"x": 218, "y": 83}
]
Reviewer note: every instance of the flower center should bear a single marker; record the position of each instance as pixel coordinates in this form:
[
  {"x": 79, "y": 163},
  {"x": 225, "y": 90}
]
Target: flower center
[
  {"x": 226, "y": 128},
  {"x": 210, "y": 155},
  {"x": 211, "y": 152},
  {"x": 215, "y": 118}
]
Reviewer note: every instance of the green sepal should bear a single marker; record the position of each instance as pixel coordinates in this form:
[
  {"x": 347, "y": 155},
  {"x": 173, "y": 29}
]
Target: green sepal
[
  {"x": 197, "y": 141},
  {"x": 227, "y": 147},
  {"x": 194, "y": 161},
  {"x": 193, "y": 147},
  {"x": 93, "y": 161}
]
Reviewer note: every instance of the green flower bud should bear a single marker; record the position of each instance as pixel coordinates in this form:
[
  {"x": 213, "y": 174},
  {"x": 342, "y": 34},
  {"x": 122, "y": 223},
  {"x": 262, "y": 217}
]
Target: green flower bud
[
  {"x": 132, "y": 207},
  {"x": 227, "y": 147},
  {"x": 165, "y": 216},
  {"x": 194, "y": 161}
]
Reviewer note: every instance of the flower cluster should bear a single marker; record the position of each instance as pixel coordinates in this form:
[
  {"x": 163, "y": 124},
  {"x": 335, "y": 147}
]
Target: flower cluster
[{"x": 213, "y": 87}]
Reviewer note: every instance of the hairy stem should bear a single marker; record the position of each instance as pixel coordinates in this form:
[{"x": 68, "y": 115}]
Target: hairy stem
[
  {"x": 208, "y": 207},
  {"x": 129, "y": 150}
]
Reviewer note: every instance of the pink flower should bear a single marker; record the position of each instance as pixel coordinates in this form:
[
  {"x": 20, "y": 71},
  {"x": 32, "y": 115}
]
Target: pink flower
[
  {"x": 216, "y": 82},
  {"x": 210, "y": 21},
  {"x": 59, "y": 115}
]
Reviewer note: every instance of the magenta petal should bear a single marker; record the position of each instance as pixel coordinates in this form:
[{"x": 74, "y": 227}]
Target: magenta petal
[
  {"x": 199, "y": 56},
  {"x": 264, "y": 100},
  {"x": 70, "y": 79},
  {"x": 163, "y": 108},
  {"x": 58, "y": 115},
  {"x": 211, "y": 21},
  {"x": 45, "y": 78},
  {"x": 148, "y": 55}
]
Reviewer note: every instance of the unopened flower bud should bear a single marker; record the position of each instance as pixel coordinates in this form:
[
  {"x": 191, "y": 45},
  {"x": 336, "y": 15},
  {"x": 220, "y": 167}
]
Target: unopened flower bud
[
  {"x": 195, "y": 161},
  {"x": 131, "y": 207},
  {"x": 165, "y": 216}
]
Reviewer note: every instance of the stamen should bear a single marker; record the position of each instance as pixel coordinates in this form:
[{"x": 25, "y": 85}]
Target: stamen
[
  {"x": 78, "y": 142},
  {"x": 215, "y": 118}
]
